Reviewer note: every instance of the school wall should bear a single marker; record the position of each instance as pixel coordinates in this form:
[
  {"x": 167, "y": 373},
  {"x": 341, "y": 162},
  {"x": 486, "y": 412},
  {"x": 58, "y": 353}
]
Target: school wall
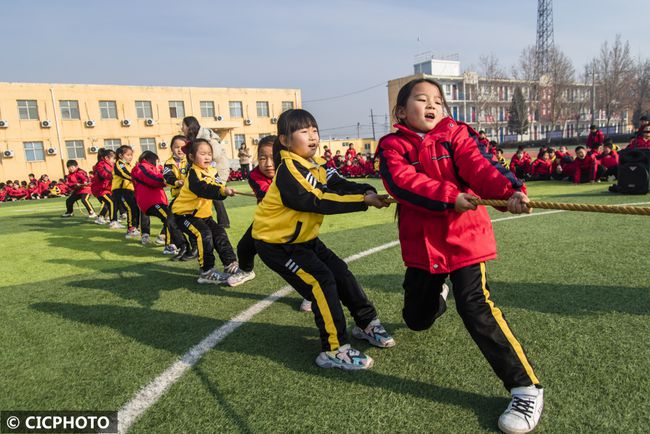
[{"x": 165, "y": 127}]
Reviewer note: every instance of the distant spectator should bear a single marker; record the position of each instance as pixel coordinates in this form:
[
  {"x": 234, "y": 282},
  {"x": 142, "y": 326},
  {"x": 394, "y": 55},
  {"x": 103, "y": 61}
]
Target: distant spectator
[
  {"x": 596, "y": 137},
  {"x": 338, "y": 158},
  {"x": 244, "y": 161},
  {"x": 520, "y": 163},
  {"x": 586, "y": 166},
  {"x": 641, "y": 142},
  {"x": 609, "y": 160},
  {"x": 500, "y": 158},
  {"x": 326, "y": 152},
  {"x": 542, "y": 168},
  {"x": 350, "y": 153}
]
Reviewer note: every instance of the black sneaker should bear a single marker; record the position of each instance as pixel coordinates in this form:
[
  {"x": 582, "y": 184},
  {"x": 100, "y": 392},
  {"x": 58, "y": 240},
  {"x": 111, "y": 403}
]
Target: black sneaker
[{"x": 192, "y": 254}]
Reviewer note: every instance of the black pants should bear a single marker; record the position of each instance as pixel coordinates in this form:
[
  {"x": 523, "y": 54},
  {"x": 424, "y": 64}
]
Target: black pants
[
  {"x": 222, "y": 214},
  {"x": 172, "y": 233},
  {"x": 324, "y": 278},
  {"x": 483, "y": 320},
  {"x": 245, "y": 170},
  {"x": 584, "y": 175},
  {"x": 127, "y": 197},
  {"x": 209, "y": 236},
  {"x": 246, "y": 250},
  {"x": 107, "y": 206},
  {"x": 69, "y": 202}
]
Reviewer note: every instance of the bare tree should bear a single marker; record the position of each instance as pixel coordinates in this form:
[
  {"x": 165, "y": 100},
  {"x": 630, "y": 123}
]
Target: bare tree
[
  {"x": 640, "y": 90},
  {"x": 487, "y": 90},
  {"x": 614, "y": 73},
  {"x": 525, "y": 70},
  {"x": 557, "y": 88}
]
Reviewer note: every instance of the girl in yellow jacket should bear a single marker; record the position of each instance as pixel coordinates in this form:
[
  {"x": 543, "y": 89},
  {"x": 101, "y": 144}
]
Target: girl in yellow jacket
[{"x": 285, "y": 230}]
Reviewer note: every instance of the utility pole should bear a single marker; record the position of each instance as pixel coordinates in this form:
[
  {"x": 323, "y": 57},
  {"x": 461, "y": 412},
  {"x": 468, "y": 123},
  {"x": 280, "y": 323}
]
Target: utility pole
[
  {"x": 593, "y": 91},
  {"x": 358, "y": 128},
  {"x": 372, "y": 121}
]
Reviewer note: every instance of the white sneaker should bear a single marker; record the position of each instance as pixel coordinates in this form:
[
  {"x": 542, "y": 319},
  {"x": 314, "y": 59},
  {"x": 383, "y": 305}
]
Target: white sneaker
[
  {"x": 123, "y": 216},
  {"x": 346, "y": 358},
  {"x": 445, "y": 291},
  {"x": 92, "y": 215},
  {"x": 213, "y": 276},
  {"x": 305, "y": 306},
  {"x": 145, "y": 239},
  {"x": 170, "y": 250},
  {"x": 159, "y": 240},
  {"x": 524, "y": 411},
  {"x": 375, "y": 333},
  {"x": 240, "y": 277},
  {"x": 132, "y": 233},
  {"x": 101, "y": 220},
  {"x": 115, "y": 225},
  {"x": 67, "y": 214}
]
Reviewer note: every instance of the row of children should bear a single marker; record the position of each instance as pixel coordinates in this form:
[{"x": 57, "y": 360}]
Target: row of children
[
  {"x": 353, "y": 165},
  {"x": 434, "y": 167},
  {"x": 40, "y": 188}
]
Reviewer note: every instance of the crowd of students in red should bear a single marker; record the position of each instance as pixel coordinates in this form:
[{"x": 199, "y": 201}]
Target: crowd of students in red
[
  {"x": 353, "y": 164},
  {"x": 40, "y": 188}
]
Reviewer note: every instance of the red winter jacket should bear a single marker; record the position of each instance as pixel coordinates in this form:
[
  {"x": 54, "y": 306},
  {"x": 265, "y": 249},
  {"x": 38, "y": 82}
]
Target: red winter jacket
[
  {"x": 3, "y": 194},
  {"x": 17, "y": 192},
  {"x": 523, "y": 163},
  {"x": 350, "y": 154},
  {"x": 609, "y": 160},
  {"x": 588, "y": 165},
  {"x": 595, "y": 139},
  {"x": 77, "y": 180},
  {"x": 43, "y": 187},
  {"x": 259, "y": 183},
  {"x": 541, "y": 167},
  {"x": 149, "y": 185},
  {"x": 101, "y": 183},
  {"x": 638, "y": 143},
  {"x": 426, "y": 175}
]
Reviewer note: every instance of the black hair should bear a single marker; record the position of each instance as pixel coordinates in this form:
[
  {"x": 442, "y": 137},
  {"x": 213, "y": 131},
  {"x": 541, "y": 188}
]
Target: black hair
[
  {"x": 289, "y": 122},
  {"x": 103, "y": 153},
  {"x": 265, "y": 141},
  {"x": 148, "y": 156},
  {"x": 193, "y": 126},
  {"x": 643, "y": 118},
  {"x": 609, "y": 145},
  {"x": 521, "y": 148},
  {"x": 481, "y": 132},
  {"x": 593, "y": 127},
  {"x": 541, "y": 153},
  {"x": 194, "y": 146},
  {"x": 579, "y": 148},
  {"x": 493, "y": 142},
  {"x": 32, "y": 175},
  {"x": 177, "y": 137},
  {"x": 71, "y": 163},
  {"x": 499, "y": 150},
  {"x": 121, "y": 150},
  {"x": 405, "y": 92}
]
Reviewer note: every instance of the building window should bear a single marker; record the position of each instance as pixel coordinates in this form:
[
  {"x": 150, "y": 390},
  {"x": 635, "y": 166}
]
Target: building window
[
  {"x": 240, "y": 139},
  {"x": 177, "y": 109},
  {"x": 34, "y": 151},
  {"x": 236, "y": 110},
  {"x": 262, "y": 109},
  {"x": 28, "y": 109},
  {"x": 207, "y": 109},
  {"x": 148, "y": 144},
  {"x": 108, "y": 109},
  {"x": 366, "y": 147},
  {"x": 112, "y": 144},
  {"x": 69, "y": 109},
  {"x": 143, "y": 109},
  {"x": 75, "y": 149},
  {"x": 287, "y": 105}
]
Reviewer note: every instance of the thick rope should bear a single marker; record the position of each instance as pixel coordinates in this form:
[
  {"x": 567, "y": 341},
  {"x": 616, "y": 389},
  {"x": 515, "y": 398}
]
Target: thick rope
[
  {"x": 245, "y": 193},
  {"x": 585, "y": 207}
]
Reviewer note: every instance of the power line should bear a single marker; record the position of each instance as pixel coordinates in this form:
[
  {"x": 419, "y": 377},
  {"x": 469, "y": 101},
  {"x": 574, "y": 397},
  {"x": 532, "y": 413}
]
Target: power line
[{"x": 383, "y": 83}]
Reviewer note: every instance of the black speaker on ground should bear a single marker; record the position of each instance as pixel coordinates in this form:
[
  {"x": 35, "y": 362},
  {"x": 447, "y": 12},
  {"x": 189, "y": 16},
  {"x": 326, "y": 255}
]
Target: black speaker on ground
[{"x": 633, "y": 168}]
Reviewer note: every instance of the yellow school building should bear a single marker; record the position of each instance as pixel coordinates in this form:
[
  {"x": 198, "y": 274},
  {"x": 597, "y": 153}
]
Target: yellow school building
[{"x": 44, "y": 125}]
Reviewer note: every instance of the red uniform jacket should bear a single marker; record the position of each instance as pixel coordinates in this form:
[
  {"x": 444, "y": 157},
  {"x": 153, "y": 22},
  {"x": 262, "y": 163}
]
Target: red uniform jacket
[
  {"x": 101, "y": 183},
  {"x": 350, "y": 154},
  {"x": 638, "y": 143},
  {"x": 63, "y": 188},
  {"x": 149, "y": 185},
  {"x": 259, "y": 183},
  {"x": 33, "y": 190},
  {"x": 560, "y": 155},
  {"x": 610, "y": 160},
  {"x": 77, "y": 180},
  {"x": 595, "y": 139},
  {"x": 523, "y": 163},
  {"x": 331, "y": 164},
  {"x": 17, "y": 192},
  {"x": 3, "y": 195},
  {"x": 589, "y": 165},
  {"x": 43, "y": 187},
  {"x": 541, "y": 167},
  {"x": 426, "y": 175}
]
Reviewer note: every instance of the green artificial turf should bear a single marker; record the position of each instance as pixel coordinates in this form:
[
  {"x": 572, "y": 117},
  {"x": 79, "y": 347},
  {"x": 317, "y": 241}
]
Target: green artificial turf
[{"x": 88, "y": 318}]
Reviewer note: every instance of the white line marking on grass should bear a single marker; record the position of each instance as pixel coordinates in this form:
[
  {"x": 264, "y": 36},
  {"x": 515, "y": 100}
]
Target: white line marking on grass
[{"x": 151, "y": 393}]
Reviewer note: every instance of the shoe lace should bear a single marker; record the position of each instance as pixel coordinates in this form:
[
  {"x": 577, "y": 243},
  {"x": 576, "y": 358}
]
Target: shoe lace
[{"x": 523, "y": 406}]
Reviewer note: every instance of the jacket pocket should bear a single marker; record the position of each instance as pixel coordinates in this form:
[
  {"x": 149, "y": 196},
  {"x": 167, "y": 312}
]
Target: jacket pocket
[{"x": 296, "y": 233}]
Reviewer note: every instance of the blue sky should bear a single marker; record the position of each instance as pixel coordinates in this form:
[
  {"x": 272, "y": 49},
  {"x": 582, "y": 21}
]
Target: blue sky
[{"x": 324, "y": 48}]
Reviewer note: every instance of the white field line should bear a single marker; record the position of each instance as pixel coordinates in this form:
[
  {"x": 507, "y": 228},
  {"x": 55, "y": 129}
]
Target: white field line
[{"x": 151, "y": 393}]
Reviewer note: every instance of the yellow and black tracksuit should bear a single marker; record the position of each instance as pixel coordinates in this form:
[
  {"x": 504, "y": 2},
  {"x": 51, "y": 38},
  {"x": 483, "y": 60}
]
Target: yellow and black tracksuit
[
  {"x": 286, "y": 230},
  {"x": 175, "y": 171},
  {"x": 122, "y": 189},
  {"x": 193, "y": 211}
]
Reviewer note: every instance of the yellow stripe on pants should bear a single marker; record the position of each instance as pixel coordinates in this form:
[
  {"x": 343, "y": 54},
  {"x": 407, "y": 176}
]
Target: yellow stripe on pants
[
  {"x": 324, "y": 308},
  {"x": 110, "y": 205},
  {"x": 167, "y": 233},
  {"x": 199, "y": 242},
  {"x": 503, "y": 325},
  {"x": 129, "y": 214}
]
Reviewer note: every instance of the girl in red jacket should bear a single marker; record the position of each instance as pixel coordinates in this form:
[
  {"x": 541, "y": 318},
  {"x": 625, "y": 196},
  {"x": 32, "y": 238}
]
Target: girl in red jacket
[
  {"x": 433, "y": 166},
  {"x": 542, "y": 167},
  {"x": 149, "y": 185},
  {"x": 100, "y": 186},
  {"x": 79, "y": 184}
]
